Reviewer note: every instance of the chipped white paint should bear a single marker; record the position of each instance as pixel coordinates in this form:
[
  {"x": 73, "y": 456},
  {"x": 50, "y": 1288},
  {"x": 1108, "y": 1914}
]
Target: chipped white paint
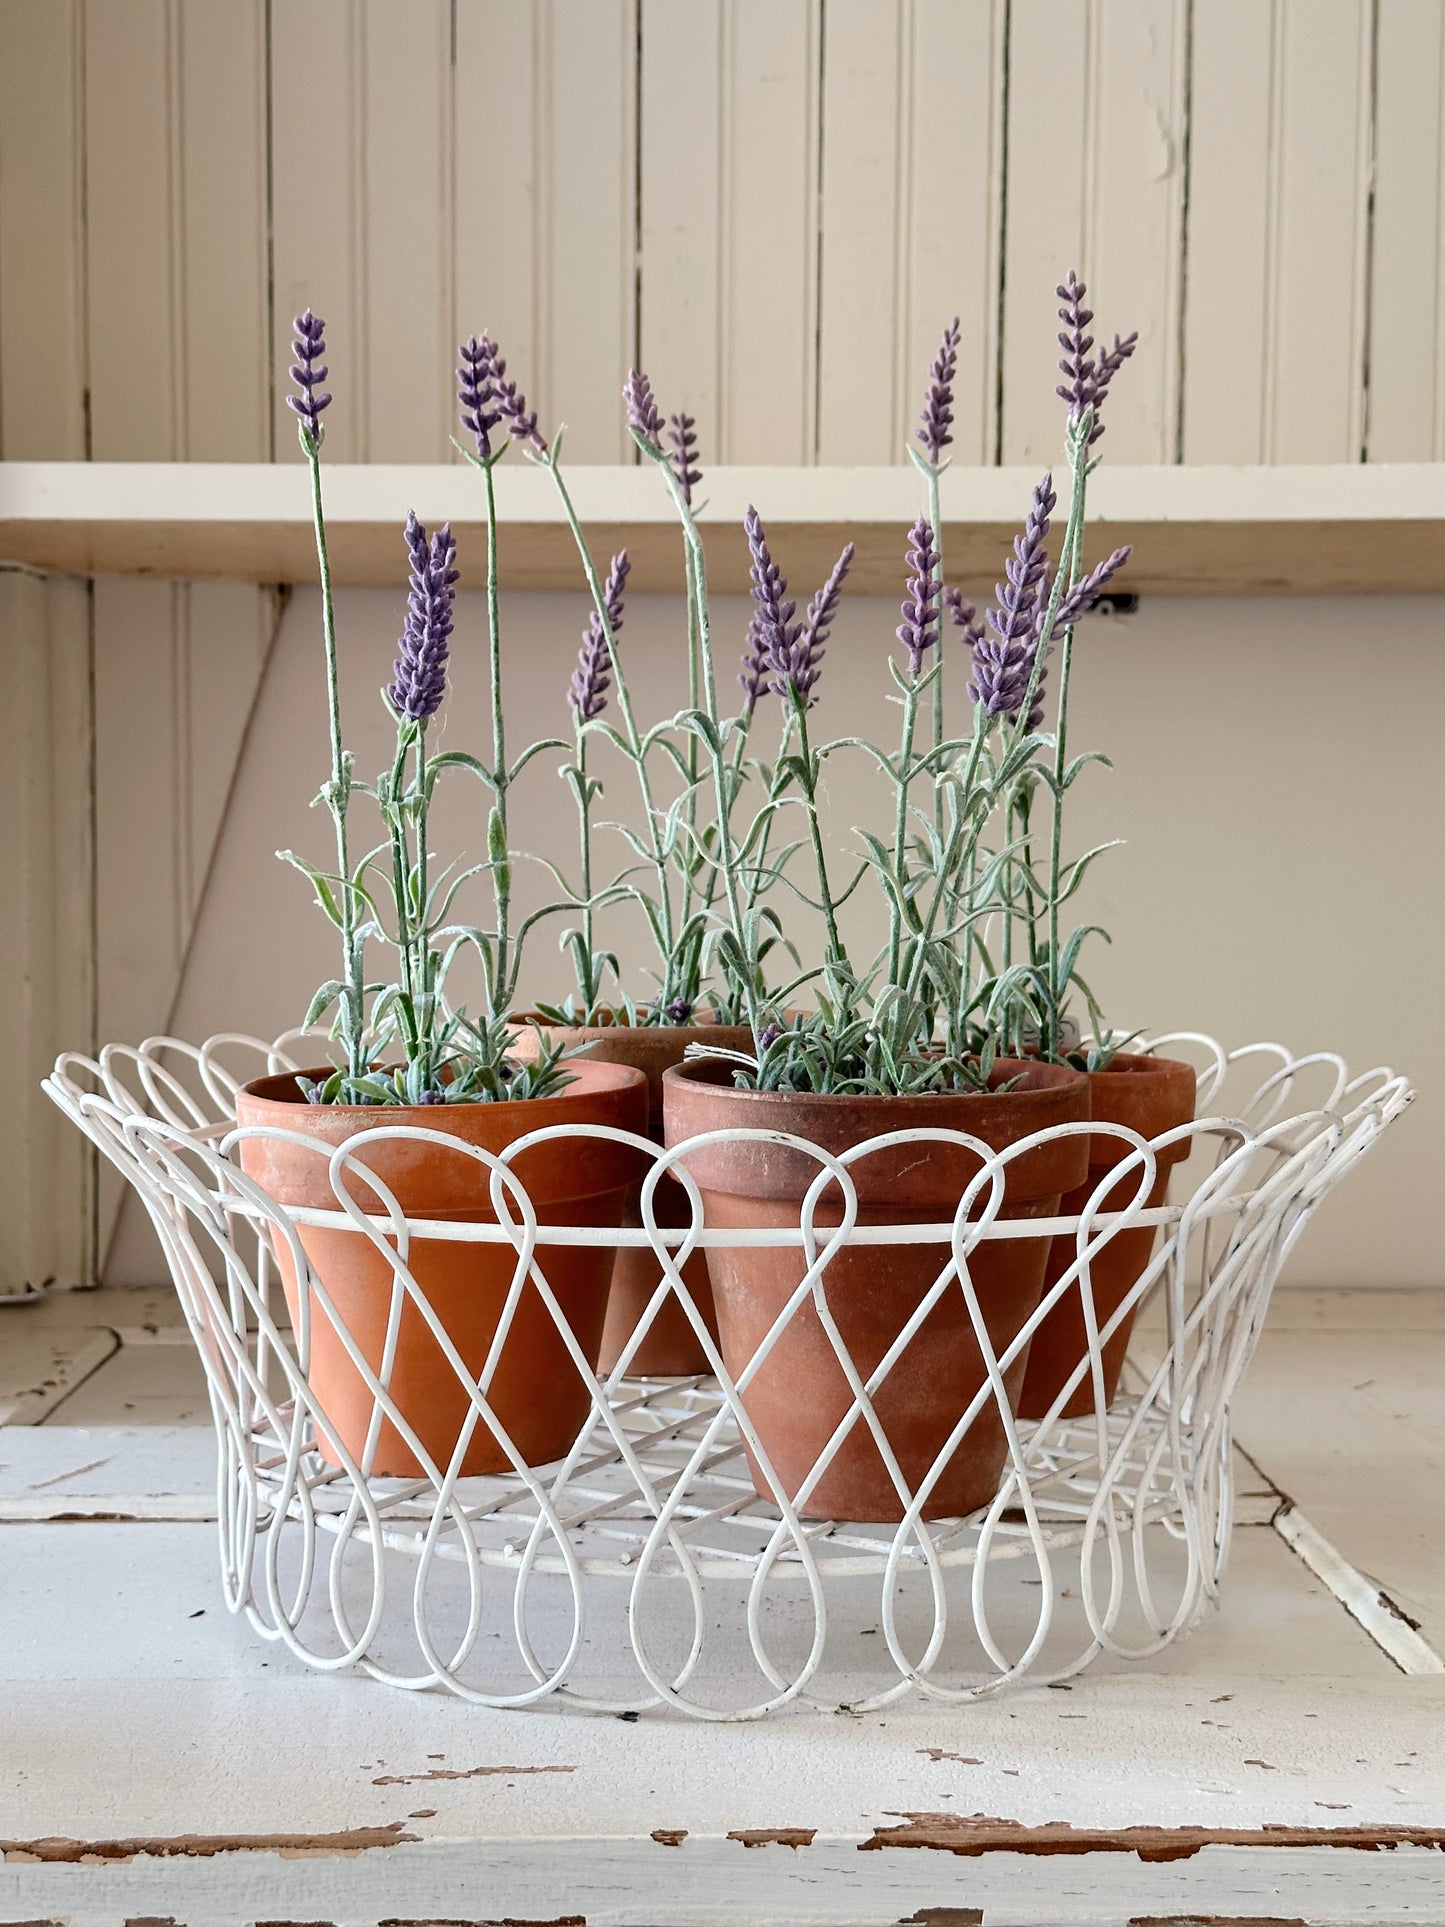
[
  {"x": 1381, "y": 1618},
  {"x": 1277, "y": 1713}
]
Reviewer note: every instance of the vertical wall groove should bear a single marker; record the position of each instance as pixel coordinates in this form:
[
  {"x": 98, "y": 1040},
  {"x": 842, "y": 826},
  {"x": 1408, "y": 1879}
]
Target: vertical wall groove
[
  {"x": 1186, "y": 163},
  {"x": 1362, "y": 291},
  {"x": 1001, "y": 302},
  {"x": 820, "y": 152},
  {"x": 1274, "y": 194}
]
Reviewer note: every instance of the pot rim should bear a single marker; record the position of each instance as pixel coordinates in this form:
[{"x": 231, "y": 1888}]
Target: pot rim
[
  {"x": 1144, "y": 1064},
  {"x": 533, "y": 1019},
  {"x": 1054, "y": 1079},
  {"x": 599, "y": 1075}
]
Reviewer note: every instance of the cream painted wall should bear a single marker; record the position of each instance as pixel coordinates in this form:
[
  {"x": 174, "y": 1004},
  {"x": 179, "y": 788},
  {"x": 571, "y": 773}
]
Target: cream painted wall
[{"x": 1276, "y": 774}]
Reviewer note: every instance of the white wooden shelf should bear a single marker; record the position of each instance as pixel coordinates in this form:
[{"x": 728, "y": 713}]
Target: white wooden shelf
[{"x": 1196, "y": 530}]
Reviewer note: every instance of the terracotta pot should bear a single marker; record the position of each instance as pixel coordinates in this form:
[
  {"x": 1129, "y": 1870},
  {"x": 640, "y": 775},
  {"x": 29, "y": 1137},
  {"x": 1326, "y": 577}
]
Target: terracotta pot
[
  {"x": 671, "y": 1347},
  {"x": 537, "y": 1392},
  {"x": 800, "y": 1393},
  {"x": 1149, "y": 1095}
]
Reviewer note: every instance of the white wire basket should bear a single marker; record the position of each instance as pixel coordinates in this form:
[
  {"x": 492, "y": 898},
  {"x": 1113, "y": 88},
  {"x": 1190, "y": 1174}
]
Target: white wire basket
[{"x": 643, "y": 1569}]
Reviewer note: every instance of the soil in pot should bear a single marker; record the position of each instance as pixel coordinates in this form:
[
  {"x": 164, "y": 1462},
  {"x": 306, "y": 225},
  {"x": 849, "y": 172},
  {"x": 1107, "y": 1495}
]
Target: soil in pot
[
  {"x": 1149, "y": 1095},
  {"x": 800, "y": 1393},
  {"x": 670, "y": 1347},
  {"x": 537, "y": 1392}
]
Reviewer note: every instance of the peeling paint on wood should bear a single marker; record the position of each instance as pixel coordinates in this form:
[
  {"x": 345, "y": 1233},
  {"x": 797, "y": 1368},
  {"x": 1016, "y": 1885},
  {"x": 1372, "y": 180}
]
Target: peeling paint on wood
[
  {"x": 944, "y": 1917},
  {"x": 465, "y": 1773},
  {"x": 774, "y": 1836},
  {"x": 41, "y": 1368},
  {"x": 562, "y": 1920},
  {"x": 204, "y": 1846},
  {"x": 1216, "y": 1920},
  {"x": 976, "y": 1834},
  {"x": 669, "y": 1836}
]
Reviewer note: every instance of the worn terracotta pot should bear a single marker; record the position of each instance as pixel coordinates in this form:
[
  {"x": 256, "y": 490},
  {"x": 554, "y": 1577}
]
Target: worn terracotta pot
[
  {"x": 537, "y": 1392},
  {"x": 800, "y": 1393},
  {"x": 1149, "y": 1095},
  {"x": 671, "y": 1347}
]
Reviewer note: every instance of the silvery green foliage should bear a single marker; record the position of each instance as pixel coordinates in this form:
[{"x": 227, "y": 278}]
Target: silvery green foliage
[
  {"x": 730, "y": 861},
  {"x": 977, "y": 959},
  {"x": 396, "y": 896},
  {"x": 340, "y": 893}
]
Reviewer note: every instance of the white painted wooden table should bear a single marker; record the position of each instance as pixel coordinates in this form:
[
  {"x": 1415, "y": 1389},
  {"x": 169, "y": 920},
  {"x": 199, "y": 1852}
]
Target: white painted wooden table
[{"x": 159, "y": 1763}]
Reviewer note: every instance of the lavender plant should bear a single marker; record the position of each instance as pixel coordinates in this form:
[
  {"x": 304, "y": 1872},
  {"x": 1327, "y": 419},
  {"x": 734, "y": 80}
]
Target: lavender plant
[
  {"x": 587, "y": 698},
  {"x": 1037, "y": 610},
  {"x": 874, "y": 1026},
  {"x": 340, "y": 893},
  {"x": 932, "y": 1010},
  {"x": 677, "y": 926},
  {"x": 934, "y": 435},
  {"x": 446, "y": 1055}
]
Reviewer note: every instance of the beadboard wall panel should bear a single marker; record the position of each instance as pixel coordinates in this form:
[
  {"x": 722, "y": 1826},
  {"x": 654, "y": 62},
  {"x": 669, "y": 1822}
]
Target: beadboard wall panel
[
  {"x": 47, "y": 1174},
  {"x": 1280, "y": 226},
  {"x": 318, "y": 214},
  {"x": 954, "y": 199},
  {"x": 769, "y": 132},
  {"x": 497, "y": 180},
  {"x": 1098, "y": 127},
  {"x": 682, "y": 106},
  {"x": 42, "y": 234},
  {"x": 1406, "y": 421},
  {"x": 776, "y": 210},
  {"x": 587, "y": 294}
]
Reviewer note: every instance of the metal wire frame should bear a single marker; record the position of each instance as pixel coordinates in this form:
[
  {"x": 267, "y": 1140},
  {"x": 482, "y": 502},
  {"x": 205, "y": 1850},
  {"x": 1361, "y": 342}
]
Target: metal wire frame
[{"x": 643, "y": 1569}]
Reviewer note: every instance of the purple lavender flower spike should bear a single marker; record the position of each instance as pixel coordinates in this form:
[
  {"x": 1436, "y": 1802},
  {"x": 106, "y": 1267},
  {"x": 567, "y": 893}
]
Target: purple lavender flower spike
[
  {"x": 964, "y": 616},
  {"x": 1086, "y": 378},
  {"x": 936, "y": 420},
  {"x": 770, "y": 592},
  {"x": 591, "y": 679},
  {"x": 521, "y": 422},
  {"x": 308, "y": 347},
  {"x": 806, "y": 658},
  {"x": 1111, "y": 360},
  {"x": 1003, "y": 661},
  {"x": 1077, "y": 366},
  {"x": 682, "y": 435},
  {"x": 644, "y": 417},
  {"x": 918, "y": 631},
  {"x": 789, "y": 650},
  {"x": 678, "y": 1011},
  {"x": 1086, "y": 592},
  {"x": 477, "y": 391},
  {"x": 754, "y": 679},
  {"x": 419, "y": 674}
]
